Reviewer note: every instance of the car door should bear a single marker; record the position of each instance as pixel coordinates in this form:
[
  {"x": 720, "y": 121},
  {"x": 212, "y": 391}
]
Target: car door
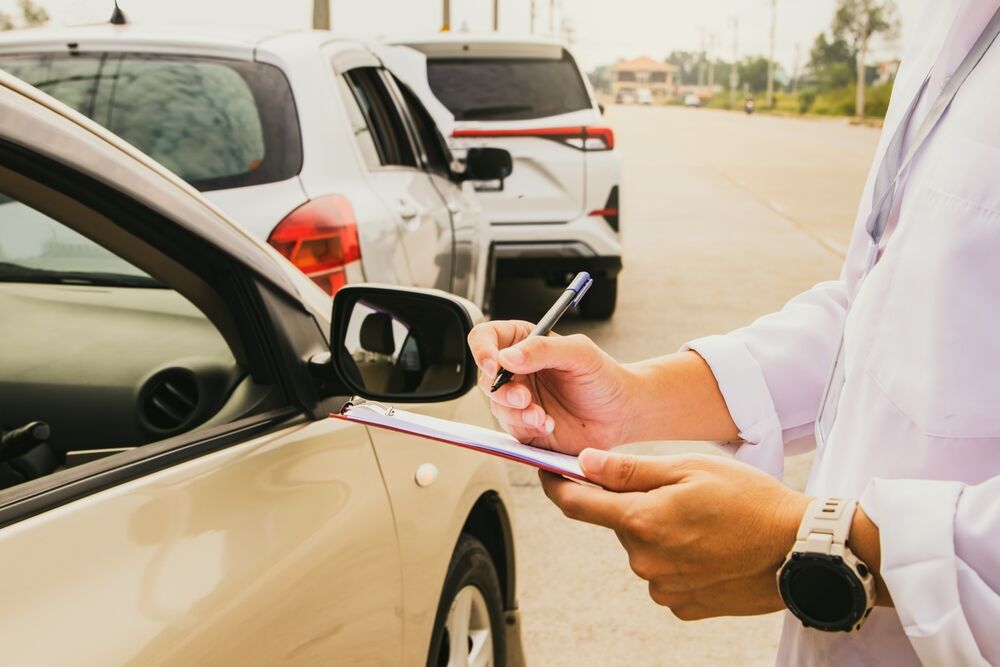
[
  {"x": 422, "y": 216},
  {"x": 470, "y": 227},
  {"x": 185, "y": 503}
]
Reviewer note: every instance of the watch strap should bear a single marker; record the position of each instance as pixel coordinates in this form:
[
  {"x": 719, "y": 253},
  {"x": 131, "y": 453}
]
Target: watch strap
[{"x": 825, "y": 526}]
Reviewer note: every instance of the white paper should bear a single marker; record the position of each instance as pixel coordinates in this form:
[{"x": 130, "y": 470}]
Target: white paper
[{"x": 469, "y": 436}]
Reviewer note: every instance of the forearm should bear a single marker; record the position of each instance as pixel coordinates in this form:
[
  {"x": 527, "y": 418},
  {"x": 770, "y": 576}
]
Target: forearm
[
  {"x": 866, "y": 545},
  {"x": 676, "y": 397}
]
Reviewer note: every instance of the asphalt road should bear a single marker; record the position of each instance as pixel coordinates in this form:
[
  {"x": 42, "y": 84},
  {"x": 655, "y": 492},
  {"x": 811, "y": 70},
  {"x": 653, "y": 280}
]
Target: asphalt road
[{"x": 725, "y": 217}]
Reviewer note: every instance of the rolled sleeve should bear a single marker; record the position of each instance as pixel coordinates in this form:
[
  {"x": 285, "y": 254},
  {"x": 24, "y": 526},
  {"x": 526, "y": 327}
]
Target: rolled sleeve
[
  {"x": 940, "y": 545},
  {"x": 772, "y": 373}
]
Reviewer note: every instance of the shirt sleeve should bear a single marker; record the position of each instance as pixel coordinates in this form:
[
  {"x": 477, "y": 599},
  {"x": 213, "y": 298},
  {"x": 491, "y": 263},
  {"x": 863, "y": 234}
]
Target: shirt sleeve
[
  {"x": 941, "y": 563},
  {"x": 773, "y": 372}
]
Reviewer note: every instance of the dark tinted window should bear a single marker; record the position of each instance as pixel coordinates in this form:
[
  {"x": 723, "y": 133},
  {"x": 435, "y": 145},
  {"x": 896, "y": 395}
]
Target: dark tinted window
[
  {"x": 391, "y": 139},
  {"x": 508, "y": 88},
  {"x": 215, "y": 123},
  {"x": 435, "y": 153}
]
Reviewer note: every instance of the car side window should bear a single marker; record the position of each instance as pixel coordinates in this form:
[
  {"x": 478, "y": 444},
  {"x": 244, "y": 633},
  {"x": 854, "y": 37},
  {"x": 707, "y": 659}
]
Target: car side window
[
  {"x": 391, "y": 138},
  {"x": 99, "y": 357},
  {"x": 436, "y": 154},
  {"x": 362, "y": 131}
]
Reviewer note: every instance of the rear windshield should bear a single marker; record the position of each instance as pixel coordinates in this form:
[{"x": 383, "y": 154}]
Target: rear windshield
[
  {"x": 215, "y": 123},
  {"x": 508, "y": 88}
]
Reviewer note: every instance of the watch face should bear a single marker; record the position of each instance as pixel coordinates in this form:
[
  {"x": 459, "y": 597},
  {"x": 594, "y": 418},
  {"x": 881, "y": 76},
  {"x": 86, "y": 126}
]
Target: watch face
[{"x": 822, "y": 591}]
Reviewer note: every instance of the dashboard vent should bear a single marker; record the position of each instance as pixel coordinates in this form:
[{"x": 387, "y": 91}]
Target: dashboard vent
[{"x": 169, "y": 400}]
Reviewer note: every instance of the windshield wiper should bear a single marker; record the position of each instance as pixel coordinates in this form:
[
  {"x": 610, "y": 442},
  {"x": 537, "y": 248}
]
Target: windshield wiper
[
  {"x": 10, "y": 272},
  {"x": 497, "y": 110}
]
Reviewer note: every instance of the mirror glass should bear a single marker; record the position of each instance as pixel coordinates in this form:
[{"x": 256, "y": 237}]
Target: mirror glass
[{"x": 399, "y": 345}]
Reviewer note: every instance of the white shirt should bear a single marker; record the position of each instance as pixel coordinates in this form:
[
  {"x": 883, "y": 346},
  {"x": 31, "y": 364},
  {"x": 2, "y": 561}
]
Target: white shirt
[{"x": 917, "y": 435}]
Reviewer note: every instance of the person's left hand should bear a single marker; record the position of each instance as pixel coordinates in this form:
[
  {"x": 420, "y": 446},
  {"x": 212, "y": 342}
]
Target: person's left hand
[{"x": 707, "y": 533}]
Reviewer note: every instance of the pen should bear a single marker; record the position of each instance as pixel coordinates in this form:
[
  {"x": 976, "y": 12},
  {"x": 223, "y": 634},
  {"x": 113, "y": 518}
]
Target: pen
[{"x": 571, "y": 297}]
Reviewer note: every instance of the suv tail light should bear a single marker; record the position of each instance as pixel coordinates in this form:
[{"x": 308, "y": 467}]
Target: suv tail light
[
  {"x": 583, "y": 138},
  {"x": 321, "y": 239}
]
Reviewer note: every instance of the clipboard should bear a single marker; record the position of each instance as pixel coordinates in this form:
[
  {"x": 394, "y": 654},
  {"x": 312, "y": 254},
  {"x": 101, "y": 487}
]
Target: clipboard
[{"x": 467, "y": 436}]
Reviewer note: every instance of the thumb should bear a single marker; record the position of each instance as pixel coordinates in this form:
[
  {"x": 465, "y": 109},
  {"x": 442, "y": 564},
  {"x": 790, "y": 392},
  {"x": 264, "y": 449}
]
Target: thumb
[
  {"x": 566, "y": 353},
  {"x": 627, "y": 472}
]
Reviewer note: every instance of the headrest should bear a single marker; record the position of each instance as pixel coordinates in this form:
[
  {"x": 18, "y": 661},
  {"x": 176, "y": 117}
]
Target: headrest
[{"x": 376, "y": 334}]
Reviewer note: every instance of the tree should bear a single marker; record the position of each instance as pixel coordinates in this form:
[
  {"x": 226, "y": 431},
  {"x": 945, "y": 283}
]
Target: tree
[
  {"x": 753, "y": 72},
  {"x": 831, "y": 62},
  {"x": 32, "y": 16},
  {"x": 856, "y": 22}
]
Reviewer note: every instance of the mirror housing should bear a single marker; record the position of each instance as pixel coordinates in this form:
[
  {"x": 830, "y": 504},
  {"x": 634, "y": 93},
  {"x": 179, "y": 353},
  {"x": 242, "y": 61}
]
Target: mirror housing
[
  {"x": 403, "y": 345},
  {"x": 488, "y": 164}
]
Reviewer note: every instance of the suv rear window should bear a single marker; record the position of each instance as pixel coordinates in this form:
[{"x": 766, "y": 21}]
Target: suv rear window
[
  {"x": 215, "y": 123},
  {"x": 508, "y": 88}
]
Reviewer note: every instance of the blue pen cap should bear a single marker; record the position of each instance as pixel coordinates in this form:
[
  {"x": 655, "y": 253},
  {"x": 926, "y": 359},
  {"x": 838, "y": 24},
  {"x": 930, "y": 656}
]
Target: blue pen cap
[{"x": 580, "y": 285}]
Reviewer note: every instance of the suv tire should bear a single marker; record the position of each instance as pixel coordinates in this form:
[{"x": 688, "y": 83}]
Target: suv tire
[
  {"x": 472, "y": 579},
  {"x": 600, "y": 301}
]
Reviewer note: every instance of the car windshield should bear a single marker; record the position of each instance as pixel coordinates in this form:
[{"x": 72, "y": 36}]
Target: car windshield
[
  {"x": 35, "y": 248},
  {"x": 215, "y": 123},
  {"x": 508, "y": 88}
]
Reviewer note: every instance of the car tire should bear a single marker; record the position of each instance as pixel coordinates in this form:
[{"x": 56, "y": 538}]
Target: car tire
[
  {"x": 472, "y": 604},
  {"x": 600, "y": 301}
]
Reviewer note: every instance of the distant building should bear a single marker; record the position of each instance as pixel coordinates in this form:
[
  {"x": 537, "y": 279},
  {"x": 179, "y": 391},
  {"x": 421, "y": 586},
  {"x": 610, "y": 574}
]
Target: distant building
[
  {"x": 630, "y": 76},
  {"x": 885, "y": 71}
]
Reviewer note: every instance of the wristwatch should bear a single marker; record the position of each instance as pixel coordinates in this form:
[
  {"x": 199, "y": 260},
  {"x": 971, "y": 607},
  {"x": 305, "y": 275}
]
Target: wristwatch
[{"x": 821, "y": 581}]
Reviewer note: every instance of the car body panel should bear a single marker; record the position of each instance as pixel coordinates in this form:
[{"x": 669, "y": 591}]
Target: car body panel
[
  {"x": 239, "y": 557},
  {"x": 284, "y": 548}
]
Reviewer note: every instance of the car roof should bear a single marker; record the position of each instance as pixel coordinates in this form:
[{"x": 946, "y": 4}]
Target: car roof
[
  {"x": 167, "y": 193},
  {"x": 484, "y": 45},
  {"x": 220, "y": 43}
]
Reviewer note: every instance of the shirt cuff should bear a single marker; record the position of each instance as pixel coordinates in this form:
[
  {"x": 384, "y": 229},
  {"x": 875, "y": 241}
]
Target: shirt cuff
[
  {"x": 916, "y": 521},
  {"x": 748, "y": 399}
]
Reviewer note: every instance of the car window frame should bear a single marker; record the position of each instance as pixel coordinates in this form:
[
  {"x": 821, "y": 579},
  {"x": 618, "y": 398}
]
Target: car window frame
[
  {"x": 377, "y": 118},
  {"x": 280, "y": 337},
  {"x": 396, "y": 89}
]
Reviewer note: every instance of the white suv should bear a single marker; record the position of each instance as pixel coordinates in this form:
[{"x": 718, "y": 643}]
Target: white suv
[
  {"x": 308, "y": 141},
  {"x": 559, "y": 211}
]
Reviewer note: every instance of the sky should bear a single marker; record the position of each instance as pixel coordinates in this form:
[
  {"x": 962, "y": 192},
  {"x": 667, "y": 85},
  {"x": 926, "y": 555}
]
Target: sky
[{"x": 603, "y": 31}]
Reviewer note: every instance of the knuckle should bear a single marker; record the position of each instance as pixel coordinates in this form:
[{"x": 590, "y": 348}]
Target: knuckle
[
  {"x": 687, "y": 612},
  {"x": 643, "y": 566},
  {"x": 637, "y": 525},
  {"x": 661, "y": 596},
  {"x": 626, "y": 469}
]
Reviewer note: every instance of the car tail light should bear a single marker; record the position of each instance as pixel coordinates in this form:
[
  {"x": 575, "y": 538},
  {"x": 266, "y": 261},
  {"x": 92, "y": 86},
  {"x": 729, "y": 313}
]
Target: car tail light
[
  {"x": 321, "y": 239},
  {"x": 610, "y": 210},
  {"x": 583, "y": 138}
]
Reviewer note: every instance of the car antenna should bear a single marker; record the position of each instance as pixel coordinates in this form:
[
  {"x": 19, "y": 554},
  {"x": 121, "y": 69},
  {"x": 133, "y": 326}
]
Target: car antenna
[{"x": 118, "y": 16}]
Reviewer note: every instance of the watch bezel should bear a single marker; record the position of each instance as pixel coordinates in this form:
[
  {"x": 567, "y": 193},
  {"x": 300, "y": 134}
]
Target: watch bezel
[{"x": 799, "y": 561}]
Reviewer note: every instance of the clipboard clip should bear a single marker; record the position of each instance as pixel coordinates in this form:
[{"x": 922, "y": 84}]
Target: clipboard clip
[{"x": 374, "y": 406}]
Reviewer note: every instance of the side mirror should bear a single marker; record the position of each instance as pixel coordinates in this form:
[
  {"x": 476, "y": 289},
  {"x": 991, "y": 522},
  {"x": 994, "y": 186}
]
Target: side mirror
[
  {"x": 391, "y": 344},
  {"x": 487, "y": 164}
]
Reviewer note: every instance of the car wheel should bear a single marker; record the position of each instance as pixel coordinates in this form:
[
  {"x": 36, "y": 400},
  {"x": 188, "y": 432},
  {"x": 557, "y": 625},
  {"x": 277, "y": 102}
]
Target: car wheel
[
  {"x": 600, "y": 301},
  {"x": 468, "y": 629}
]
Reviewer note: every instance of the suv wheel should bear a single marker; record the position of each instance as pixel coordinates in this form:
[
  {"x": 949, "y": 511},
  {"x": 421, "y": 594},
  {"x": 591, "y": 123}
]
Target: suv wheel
[
  {"x": 468, "y": 628},
  {"x": 600, "y": 302}
]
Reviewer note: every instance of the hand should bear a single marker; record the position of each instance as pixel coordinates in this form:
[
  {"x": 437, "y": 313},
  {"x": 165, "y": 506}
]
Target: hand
[
  {"x": 567, "y": 393},
  {"x": 707, "y": 533}
]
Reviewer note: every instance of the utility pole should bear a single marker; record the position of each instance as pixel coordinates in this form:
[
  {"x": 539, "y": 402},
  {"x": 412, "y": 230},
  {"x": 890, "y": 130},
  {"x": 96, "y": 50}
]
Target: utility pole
[
  {"x": 552, "y": 17},
  {"x": 711, "y": 59},
  {"x": 734, "y": 76},
  {"x": 770, "y": 58},
  {"x": 865, "y": 18},
  {"x": 534, "y": 13},
  {"x": 446, "y": 16},
  {"x": 795, "y": 72},
  {"x": 321, "y": 14},
  {"x": 496, "y": 15},
  {"x": 704, "y": 56}
]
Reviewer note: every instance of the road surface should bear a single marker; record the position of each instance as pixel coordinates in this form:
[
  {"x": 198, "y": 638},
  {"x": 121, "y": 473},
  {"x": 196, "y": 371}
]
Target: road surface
[{"x": 725, "y": 217}]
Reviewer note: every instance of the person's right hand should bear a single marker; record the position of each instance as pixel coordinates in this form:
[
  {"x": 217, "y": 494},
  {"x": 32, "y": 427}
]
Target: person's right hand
[{"x": 567, "y": 394}]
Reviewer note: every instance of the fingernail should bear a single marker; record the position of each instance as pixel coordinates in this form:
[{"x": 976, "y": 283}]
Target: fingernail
[
  {"x": 532, "y": 418},
  {"x": 519, "y": 397},
  {"x": 550, "y": 424},
  {"x": 490, "y": 367},
  {"x": 592, "y": 461},
  {"x": 511, "y": 357}
]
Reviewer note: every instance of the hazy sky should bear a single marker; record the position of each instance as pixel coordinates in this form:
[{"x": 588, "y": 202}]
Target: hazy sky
[{"x": 604, "y": 29}]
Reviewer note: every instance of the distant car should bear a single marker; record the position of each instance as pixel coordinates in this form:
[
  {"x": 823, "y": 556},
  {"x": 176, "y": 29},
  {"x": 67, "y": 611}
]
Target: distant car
[
  {"x": 306, "y": 140},
  {"x": 645, "y": 96},
  {"x": 172, "y": 491},
  {"x": 560, "y": 211},
  {"x": 692, "y": 100},
  {"x": 625, "y": 97}
]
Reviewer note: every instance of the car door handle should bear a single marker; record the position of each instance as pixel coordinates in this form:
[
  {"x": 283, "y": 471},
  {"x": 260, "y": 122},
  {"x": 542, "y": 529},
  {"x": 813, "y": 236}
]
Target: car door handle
[{"x": 408, "y": 212}]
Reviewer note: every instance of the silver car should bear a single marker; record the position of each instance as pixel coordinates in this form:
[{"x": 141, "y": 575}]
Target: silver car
[{"x": 308, "y": 141}]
